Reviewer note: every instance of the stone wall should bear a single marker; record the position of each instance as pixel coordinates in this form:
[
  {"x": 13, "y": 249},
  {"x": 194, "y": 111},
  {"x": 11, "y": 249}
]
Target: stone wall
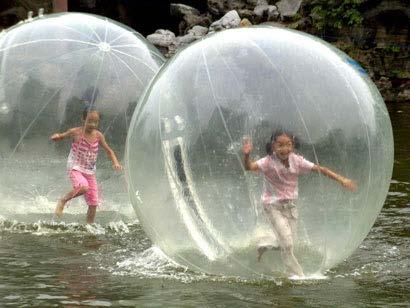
[
  {"x": 12, "y": 11},
  {"x": 380, "y": 43}
]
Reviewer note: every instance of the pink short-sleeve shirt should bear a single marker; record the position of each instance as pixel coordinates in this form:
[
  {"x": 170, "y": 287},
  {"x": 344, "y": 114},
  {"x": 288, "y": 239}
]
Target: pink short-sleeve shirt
[{"x": 281, "y": 183}]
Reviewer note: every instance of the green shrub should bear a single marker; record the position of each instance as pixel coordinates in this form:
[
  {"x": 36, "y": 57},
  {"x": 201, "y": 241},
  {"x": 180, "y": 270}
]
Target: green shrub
[
  {"x": 334, "y": 14},
  {"x": 392, "y": 49}
]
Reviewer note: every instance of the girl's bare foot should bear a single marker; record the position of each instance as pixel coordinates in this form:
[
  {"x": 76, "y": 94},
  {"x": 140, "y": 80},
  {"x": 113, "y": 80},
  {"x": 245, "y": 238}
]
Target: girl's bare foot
[{"x": 59, "y": 208}]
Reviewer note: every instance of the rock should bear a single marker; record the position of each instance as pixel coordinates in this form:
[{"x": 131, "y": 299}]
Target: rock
[
  {"x": 288, "y": 8},
  {"x": 252, "y": 2},
  {"x": 195, "y": 33},
  {"x": 260, "y": 10},
  {"x": 162, "y": 38},
  {"x": 194, "y": 20},
  {"x": 180, "y": 10},
  {"x": 385, "y": 86},
  {"x": 273, "y": 13},
  {"x": 404, "y": 93},
  {"x": 387, "y": 23},
  {"x": 262, "y": 2},
  {"x": 185, "y": 40},
  {"x": 247, "y": 14},
  {"x": 18, "y": 12},
  {"x": 266, "y": 12},
  {"x": 220, "y": 7},
  {"x": 215, "y": 7},
  {"x": 191, "y": 17},
  {"x": 87, "y": 4},
  {"x": 235, "y": 5},
  {"x": 168, "y": 44},
  {"x": 245, "y": 23},
  {"x": 387, "y": 7},
  {"x": 230, "y": 20},
  {"x": 12, "y": 16},
  {"x": 198, "y": 31}
]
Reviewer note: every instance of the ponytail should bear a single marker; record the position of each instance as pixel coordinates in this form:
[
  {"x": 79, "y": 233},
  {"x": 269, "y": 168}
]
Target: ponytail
[{"x": 278, "y": 132}]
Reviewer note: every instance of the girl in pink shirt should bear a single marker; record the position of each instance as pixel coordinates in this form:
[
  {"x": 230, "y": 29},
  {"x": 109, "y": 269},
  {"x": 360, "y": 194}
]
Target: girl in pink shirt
[
  {"x": 82, "y": 161},
  {"x": 281, "y": 169}
]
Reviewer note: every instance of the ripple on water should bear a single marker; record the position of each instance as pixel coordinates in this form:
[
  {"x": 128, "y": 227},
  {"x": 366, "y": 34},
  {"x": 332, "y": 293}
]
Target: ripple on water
[
  {"x": 47, "y": 296},
  {"x": 12, "y": 297},
  {"x": 41, "y": 228}
]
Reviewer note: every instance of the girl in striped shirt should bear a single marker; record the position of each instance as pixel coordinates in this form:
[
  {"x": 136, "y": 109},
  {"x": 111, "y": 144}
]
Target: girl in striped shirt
[{"x": 82, "y": 161}]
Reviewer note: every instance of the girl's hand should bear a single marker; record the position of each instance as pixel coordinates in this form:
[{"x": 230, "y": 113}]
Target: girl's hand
[
  {"x": 348, "y": 184},
  {"x": 117, "y": 167},
  {"x": 247, "y": 146},
  {"x": 55, "y": 137}
]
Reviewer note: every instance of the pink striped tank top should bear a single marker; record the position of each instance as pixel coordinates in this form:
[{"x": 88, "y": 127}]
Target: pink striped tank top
[{"x": 83, "y": 155}]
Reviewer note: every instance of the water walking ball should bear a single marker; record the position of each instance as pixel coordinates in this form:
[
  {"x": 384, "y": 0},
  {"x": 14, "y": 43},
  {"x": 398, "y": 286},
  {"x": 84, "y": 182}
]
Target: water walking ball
[
  {"x": 185, "y": 172},
  {"x": 51, "y": 69}
]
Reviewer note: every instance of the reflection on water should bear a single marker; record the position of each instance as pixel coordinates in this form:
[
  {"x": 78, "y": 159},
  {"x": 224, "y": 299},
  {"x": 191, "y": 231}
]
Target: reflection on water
[
  {"x": 44, "y": 263},
  {"x": 400, "y": 116}
]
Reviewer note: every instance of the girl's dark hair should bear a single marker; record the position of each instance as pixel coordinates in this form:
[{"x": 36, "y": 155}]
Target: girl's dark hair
[
  {"x": 89, "y": 108},
  {"x": 279, "y": 132}
]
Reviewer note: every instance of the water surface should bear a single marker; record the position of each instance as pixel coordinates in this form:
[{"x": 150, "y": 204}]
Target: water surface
[{"x": 112, "y": 263}]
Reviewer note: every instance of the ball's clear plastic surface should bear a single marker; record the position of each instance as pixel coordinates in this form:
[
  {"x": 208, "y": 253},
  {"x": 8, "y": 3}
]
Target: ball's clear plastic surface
[
  {"x": 186, "y": 177},
  {"x": 51, "y": 68}
]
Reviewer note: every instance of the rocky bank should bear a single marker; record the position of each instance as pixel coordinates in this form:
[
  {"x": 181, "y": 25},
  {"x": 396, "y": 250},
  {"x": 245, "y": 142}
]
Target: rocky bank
[{"x": 373, "y": 32}]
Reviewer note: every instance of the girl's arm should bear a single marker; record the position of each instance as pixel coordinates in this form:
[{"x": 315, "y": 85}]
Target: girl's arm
[
  {"x": 61, "y": 136},
  {"x": 345, "y": 182},
  {"x": 117, "y": 166},
  {"x": 246, "y": 150}
]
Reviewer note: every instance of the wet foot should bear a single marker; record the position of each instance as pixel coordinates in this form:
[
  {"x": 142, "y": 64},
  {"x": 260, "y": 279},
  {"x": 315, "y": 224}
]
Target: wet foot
[
  {"x": 59, "y": 208},
  {"x": 261, "y": 251}
]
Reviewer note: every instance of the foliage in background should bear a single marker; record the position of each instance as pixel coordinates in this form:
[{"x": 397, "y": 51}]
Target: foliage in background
[
  {"x": 392, "y": 49},
  {"x": 334, "y": 14}
]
